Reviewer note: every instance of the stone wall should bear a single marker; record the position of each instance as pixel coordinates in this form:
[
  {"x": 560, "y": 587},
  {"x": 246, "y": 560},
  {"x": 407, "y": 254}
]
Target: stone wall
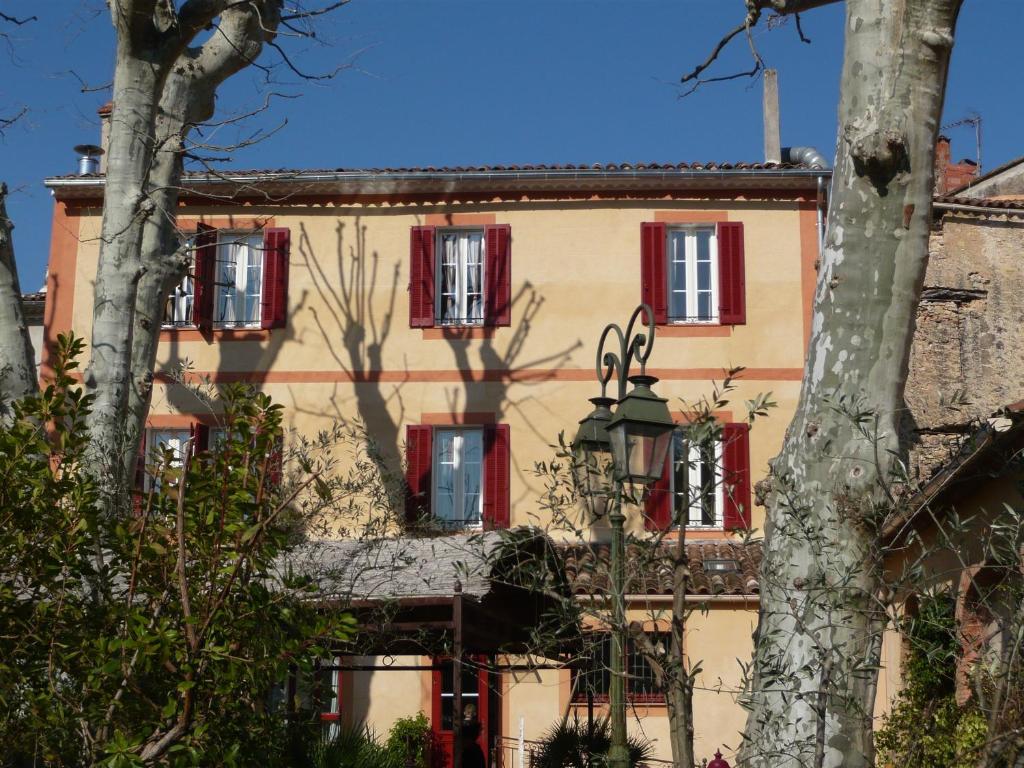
[{"x": 968, "y": 356}]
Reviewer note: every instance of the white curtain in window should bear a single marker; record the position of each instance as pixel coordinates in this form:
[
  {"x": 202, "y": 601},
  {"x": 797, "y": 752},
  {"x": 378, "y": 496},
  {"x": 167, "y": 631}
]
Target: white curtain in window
[{"x": 239, "y": 279}]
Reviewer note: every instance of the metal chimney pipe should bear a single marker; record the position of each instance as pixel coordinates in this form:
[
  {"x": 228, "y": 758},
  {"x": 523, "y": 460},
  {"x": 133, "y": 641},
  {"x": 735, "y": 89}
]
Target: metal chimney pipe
[
  {"x": 88, "y": 159},
  {"x": 772, "y": 140}
]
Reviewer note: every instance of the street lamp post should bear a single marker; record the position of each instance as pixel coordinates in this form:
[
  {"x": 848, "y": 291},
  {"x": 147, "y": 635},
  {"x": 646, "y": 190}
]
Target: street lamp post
[{"x": 630, "y": 444}]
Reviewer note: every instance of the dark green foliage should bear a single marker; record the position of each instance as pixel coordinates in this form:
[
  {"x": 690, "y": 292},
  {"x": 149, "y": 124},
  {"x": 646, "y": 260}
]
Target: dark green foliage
[
  {"x": 409, "y": 744},
  {"x": 926, "y": 728},
  {"x": 150, "y": 637},
  {"x": 576, "y": 744},
  {"x": 354, "y": 746},
  {"x": 411, "y": 740}
]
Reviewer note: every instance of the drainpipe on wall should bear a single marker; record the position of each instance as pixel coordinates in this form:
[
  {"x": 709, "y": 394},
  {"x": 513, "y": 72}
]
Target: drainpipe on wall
[{"x": 812, "y": 158}]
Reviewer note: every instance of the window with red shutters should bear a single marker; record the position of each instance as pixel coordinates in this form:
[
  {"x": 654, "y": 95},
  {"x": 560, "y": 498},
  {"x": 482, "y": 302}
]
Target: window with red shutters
[
  {"x": 238, "y": 280},
  {"x": 419, "y": 455},
  {"x": 658, "y": 504},
  {"x": 653, "y": 283},
  {"x": 204, "y": 269},
  {"x": 276, "y": 250},
  {"x": 421, "y": 277},
  {"x": 498, "y": 275},
  {"x": 460, "y": 276},
  {"x": 703, "y": 486},
  {"x": 736, "y": 475},
  {"x": 459, "y": 476},
  {"x": 497, "y": 470},
  {"x": 693, "y": 273},
  {"x": 732, "y": 291}
]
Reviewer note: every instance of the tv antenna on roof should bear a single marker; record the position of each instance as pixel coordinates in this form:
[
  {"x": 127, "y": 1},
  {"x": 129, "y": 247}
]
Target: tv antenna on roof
[{"x": 973, "y": 119}]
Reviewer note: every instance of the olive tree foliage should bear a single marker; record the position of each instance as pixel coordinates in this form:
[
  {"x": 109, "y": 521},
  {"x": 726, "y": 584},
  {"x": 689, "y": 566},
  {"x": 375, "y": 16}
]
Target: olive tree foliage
[
  {"x": 156, "y": 638},
  {"x": 817, "y": 645}
]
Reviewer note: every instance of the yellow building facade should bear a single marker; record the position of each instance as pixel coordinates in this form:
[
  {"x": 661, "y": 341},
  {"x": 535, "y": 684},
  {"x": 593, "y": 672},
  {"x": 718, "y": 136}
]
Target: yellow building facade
[{"x": 475, "y": 352}]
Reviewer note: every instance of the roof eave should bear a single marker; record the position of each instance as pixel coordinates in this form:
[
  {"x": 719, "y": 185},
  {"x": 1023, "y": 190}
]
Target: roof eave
[{"x": 403, "y": 183}]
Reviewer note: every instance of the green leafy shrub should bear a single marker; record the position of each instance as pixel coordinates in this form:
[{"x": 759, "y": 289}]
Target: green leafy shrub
[
  {"x": 927, "y": 728},
  {"x": 354, "y": 746},
  {"x": 576, "y": 744},
  {"x": 152, "y": 636},
  {"x": 411, "y": 741}
]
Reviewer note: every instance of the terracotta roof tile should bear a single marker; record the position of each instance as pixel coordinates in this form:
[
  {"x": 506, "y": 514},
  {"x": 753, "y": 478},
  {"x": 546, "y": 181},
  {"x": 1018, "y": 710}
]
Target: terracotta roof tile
[
  {"x": 647, "y": 573},
  {"x": 611, "y": 167},
  {"x": 982, "y": 202}
]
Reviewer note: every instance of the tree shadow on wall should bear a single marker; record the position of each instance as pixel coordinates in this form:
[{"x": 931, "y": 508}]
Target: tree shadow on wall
[{"x": 345, "y": 287}]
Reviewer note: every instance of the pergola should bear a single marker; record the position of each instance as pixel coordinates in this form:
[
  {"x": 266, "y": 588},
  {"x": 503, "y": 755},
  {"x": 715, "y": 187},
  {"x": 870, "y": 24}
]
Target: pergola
[{"x": 449, "y": 596}]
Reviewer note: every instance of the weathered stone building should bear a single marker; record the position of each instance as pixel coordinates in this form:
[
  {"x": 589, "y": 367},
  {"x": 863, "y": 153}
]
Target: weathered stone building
[{"x": 967, "y": 361}]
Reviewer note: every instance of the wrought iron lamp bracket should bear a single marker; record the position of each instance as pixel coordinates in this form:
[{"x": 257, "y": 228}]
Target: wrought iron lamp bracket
[{"x": 632, "y": 345}]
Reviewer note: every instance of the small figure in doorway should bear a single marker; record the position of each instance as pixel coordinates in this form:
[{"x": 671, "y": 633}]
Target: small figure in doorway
[{"x": 472, "y": 755}]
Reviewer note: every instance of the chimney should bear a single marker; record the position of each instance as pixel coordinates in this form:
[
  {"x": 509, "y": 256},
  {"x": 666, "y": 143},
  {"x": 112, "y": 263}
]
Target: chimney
[
  {"x": 950, "y": 175},
  {"x": 88, "y": 159},
  {"x": 105, "y": 112},
  {"x": 772, "y": 142}
]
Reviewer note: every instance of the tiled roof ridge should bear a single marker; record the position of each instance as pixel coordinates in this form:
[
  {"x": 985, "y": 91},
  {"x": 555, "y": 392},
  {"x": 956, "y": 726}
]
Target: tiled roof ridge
[
  {"x": 585, "y": 578},
  {"x": 982, "y": 202}
]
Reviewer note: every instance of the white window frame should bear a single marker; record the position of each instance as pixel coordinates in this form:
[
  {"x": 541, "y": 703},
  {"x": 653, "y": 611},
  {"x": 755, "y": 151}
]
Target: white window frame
[
  {"x": 689, "y": 233},
  {"x": 461, "y": 298},
  {"x": 157, "y": 436},
  {"x": 695, "y": 507},
  {"x": 331, "y": 724},
  {"x": 459, "y": 475},
  {"x": 183, "y": 299},
  {"x": 242, "y": 298}
]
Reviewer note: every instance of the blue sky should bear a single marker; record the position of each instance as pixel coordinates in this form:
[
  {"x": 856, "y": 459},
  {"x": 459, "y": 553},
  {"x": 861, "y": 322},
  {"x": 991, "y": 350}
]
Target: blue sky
[{"x": 446, "y": 82}]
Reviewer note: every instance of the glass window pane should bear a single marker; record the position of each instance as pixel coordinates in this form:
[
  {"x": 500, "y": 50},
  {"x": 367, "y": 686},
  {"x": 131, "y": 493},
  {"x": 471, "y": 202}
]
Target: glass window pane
[
  {"x": 677, "y": 275},
  {"x": 704, "y": 305},
  {"x": 703, "y": 245},
  {"x": 704, "y": 275}
]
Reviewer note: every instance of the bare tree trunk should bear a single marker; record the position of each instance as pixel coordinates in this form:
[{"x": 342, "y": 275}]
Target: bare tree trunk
[
  {"x": 17, "y": 361},
  {"x": 827, "y": 491},
  {"x": 139, "y": 75},
  {"x": 152, "y": 43},
  {"x": 679, "y": 690},
  {"x": 188, "y": 99}
]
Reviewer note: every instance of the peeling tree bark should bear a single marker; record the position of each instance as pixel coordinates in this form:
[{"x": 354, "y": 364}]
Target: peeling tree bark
[
  {"x": 143, "y": 172},
  {"x": 17, "y": 362},
  {"x": 812, "y": 693},
  {"x": 188, "y": 99}
]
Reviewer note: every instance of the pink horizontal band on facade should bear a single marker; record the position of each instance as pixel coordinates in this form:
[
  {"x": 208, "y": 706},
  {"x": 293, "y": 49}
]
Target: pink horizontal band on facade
[{"x": 481, "y": 376}]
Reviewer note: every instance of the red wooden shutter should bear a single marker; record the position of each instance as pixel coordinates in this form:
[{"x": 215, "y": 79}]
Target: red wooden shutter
[
  {"x": 200, "y": 434},
  {"x": 498, "y": 275},
  {"x": 736, "y": 475},
  {"x": 276, "y": 248},
  {"x": 419, "y": 455},
  {"x": 497, "y": 471},
  {"x": 653, "y": 281},
  {"x": 658, "y": 504},
  {"x": 204, "y": 272},
  {"x": 421, "y": 278},
  {"x": 732, "y": 281}
]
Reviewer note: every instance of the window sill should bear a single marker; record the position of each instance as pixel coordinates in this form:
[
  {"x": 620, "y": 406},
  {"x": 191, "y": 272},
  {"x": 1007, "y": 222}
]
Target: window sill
[
  {"x": 694, "y": 330},
  {"x": 631, "y": 701},
  {"x": 216, "y": 334},
  {"x": 699, "y": 534},
  {"x": 459, "y": 332}
]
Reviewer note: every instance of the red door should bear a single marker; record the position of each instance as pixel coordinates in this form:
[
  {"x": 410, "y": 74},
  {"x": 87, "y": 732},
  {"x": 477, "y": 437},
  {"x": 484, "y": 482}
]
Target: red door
[{"x": 475, "y": 700}]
